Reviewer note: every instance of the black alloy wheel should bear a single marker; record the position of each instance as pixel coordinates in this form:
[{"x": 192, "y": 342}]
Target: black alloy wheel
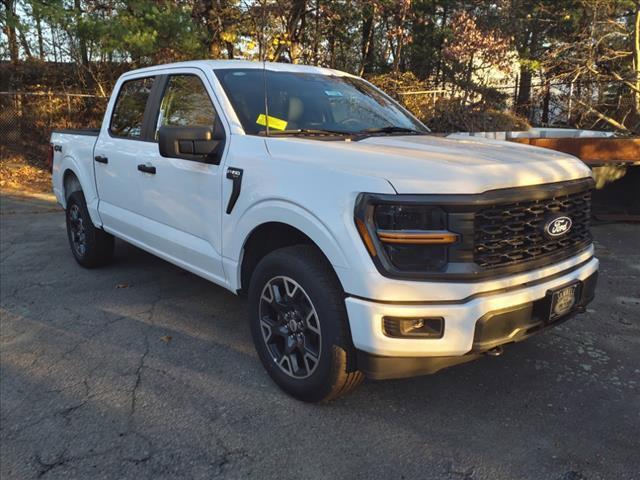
[{"x": 290, "y": 327}]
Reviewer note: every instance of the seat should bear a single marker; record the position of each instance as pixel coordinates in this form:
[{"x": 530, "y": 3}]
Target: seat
[{"x": 295, "y": 113}]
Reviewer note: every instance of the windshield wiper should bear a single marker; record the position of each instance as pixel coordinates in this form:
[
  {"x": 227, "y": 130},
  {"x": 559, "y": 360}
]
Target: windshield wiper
[
  {"x": 305, "y": 131},
  {"x": 390, "y": 129},
  {"x": 359, "y": 135}
]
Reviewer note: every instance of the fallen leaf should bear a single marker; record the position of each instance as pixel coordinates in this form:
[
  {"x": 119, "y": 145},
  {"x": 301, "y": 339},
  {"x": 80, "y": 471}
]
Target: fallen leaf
[
  {"x": 166, "y": 339},
  {"x": 123, "y": 285},
  {"x": 20, "y": 172}
]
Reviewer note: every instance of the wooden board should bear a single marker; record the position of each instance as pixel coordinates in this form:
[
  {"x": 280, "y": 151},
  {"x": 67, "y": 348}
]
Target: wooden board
[{"x": 594, "y": 151}]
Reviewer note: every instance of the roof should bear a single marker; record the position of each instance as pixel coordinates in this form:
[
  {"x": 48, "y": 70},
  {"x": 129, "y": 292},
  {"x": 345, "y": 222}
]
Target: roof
[{"x": 224, "y": 64}]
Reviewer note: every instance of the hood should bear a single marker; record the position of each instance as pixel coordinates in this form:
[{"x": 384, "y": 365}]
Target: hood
[{"x": 432, "y": 164}]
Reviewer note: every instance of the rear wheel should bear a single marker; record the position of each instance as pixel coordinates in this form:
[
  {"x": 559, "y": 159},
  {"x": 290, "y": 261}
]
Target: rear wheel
[
  {"x": 299, "y": 325},
  {"x": 91, "y": 246}
]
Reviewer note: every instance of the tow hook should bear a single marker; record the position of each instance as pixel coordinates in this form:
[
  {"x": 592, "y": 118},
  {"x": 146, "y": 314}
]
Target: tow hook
[{"x": 494, "y": 352}]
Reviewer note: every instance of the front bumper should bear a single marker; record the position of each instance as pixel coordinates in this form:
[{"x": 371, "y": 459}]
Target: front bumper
[{"x": 473, "y": 325}]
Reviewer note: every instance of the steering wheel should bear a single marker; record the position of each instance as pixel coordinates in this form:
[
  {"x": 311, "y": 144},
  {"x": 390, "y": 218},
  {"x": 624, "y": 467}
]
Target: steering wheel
[{"x": 350, "y": 121}]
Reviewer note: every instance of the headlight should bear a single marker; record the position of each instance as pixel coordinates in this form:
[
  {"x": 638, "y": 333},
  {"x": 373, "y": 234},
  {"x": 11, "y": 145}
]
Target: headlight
[
  {"x": 410, "y": 217},
  {"x": 404, "y": 238}
]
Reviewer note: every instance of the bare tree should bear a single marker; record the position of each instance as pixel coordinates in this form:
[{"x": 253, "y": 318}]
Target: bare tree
[{"x": 9, "y": 28}]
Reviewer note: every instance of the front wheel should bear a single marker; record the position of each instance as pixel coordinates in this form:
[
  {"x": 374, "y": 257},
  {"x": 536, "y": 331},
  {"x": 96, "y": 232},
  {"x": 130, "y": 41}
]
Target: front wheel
[
  {"x": 299, "y": 325},
  {"x": 91, "y": 246}
]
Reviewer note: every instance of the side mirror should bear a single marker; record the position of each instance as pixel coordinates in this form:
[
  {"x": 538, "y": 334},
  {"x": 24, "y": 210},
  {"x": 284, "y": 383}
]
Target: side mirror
[{"x": 202, "y": 144}]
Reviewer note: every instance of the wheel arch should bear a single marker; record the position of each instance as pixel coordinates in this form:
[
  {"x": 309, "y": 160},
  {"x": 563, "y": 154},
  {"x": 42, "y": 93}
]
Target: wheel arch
[
  {"x": 73, "y": 177},
  {"x": 266, "y": 238},
  {"x": 70, "y": 183},
  {"x": 277, "y": 226}
]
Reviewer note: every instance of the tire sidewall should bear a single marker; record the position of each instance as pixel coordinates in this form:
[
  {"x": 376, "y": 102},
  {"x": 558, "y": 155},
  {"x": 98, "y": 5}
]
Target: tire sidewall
[
  {"x": 77, "y": 198},
  {"x": 311, "y": 388}
]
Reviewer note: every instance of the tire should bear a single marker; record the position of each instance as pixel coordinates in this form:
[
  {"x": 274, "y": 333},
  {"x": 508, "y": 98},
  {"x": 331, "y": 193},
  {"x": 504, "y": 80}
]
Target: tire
[
  {"x": 300, "y": 327},
  {"x": 91, "y": 247}
]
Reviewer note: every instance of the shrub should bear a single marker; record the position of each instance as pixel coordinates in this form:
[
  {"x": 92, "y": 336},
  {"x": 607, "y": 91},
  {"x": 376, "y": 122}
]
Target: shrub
[{"x": 451, "y": 116}]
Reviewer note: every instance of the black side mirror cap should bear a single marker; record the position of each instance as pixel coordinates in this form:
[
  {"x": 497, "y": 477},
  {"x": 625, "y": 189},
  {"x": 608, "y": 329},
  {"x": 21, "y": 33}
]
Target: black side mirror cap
[{"x": 202, "y": 144}]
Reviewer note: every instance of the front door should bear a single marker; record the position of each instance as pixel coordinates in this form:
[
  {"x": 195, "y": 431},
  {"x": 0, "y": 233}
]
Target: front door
[{"x": 182, "y": 198}]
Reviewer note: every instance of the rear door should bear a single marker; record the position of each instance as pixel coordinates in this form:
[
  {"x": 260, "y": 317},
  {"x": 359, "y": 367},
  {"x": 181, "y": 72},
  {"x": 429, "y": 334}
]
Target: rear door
[
  {"x": 123, "y": 143},
  {"x": 182, "y": 198}
]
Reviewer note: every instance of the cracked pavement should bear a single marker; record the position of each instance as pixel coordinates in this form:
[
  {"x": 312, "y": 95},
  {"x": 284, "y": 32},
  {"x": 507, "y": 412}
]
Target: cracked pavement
[{"x": 141, "y": 370}]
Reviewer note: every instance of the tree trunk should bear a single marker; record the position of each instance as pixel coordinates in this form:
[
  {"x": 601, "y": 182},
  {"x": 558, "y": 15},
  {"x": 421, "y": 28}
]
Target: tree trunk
[
  {"x": 316, "y": 36},
  {"x": 204, "y": 13},
  {"x": 10, "y": 29},
  {"x": 637, "y": 59},
  {"x": 297, "y": 35},
  {"x": 439, "y": 75},
  {"x": 401, "y": 18},
  {"x": 523, "y": 100},
  {"x": 332, "y": 48},
  {"x": 295, "y": 28},
  {"x": 25, "y": 44},
  {"x": 82, "y": 42},
  {"x": 40, "y": 39},
  {"x": 545, "y": 104},
  {"x": 468, "y": 79},
  {"x": 396, "y": 57},
  {"x": 212, "y": 29},
  {"x": 54, "y": 45},
  {"x": 368, "y": 28}
]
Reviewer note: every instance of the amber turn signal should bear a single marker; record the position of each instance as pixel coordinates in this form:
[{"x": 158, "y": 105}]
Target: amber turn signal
[
  {"x": 366, "y": 238},
  {"x": 437, "y": 237}
]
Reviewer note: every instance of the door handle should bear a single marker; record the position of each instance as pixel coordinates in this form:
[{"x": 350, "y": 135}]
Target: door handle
[
  {"x": 101, "y": 159},
  {"x": 147, "y": 168},
  {"x": 234, "y": 174}
]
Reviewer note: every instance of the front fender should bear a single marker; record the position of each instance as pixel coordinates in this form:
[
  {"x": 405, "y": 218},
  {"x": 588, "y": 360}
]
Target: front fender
[{"x": 281, "y": 211}]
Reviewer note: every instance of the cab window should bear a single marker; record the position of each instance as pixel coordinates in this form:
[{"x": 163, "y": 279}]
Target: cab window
[
  {"x": 128, "y": 113},
  {"x": 185, "y": 103}
]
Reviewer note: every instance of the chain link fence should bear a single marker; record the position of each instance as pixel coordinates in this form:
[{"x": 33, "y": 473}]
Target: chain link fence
[
  {"x": 27, "y": 118},
  {"x": 610, "y": 106},
  {"x": 591, "y": 105}
]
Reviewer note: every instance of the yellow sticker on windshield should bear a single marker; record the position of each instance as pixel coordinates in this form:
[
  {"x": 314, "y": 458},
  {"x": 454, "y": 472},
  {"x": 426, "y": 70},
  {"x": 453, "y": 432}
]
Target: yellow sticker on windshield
[{"x": 273, "y": 122}]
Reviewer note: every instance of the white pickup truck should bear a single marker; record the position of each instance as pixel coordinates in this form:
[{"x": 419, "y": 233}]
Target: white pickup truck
[{"x": 367, "y": 246}]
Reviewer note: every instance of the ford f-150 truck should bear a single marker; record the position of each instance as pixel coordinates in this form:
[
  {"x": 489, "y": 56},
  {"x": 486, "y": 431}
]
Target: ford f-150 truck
[{"x": 367, "y": 246}]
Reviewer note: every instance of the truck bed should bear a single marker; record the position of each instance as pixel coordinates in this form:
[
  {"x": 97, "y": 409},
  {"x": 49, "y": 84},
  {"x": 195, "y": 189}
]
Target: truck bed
[{"x": 73, "y": 149}]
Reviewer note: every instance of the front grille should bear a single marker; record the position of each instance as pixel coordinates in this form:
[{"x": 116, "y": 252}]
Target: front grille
[{"x": 510, "y": 233}]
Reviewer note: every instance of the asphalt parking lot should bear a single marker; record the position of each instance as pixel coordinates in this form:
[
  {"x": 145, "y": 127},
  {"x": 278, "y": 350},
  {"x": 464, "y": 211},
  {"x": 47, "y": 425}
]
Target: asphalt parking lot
[{"x": 140, "y": 370}]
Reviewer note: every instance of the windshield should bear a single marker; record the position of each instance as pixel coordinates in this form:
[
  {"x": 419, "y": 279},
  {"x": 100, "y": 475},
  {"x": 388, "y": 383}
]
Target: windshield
[{"x": 312, "y": 102}]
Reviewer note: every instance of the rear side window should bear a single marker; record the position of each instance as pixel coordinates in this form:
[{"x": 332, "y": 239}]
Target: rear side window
[
  {"x": 185, "y": 103},
  {"x": 128, "y": 113}
]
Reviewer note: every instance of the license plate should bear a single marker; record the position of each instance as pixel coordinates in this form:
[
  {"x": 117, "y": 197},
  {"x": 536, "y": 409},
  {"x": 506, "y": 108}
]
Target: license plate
[{"x": 563, "y": 300}]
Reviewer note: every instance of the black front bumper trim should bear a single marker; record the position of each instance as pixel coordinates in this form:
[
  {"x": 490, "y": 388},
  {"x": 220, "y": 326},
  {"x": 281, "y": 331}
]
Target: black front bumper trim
[{"x": 376, "y": 367}]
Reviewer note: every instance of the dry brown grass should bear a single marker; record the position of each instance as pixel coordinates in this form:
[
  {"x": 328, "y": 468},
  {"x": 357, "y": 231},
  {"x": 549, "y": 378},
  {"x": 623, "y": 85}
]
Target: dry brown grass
[{"x": 21, "y": 174}]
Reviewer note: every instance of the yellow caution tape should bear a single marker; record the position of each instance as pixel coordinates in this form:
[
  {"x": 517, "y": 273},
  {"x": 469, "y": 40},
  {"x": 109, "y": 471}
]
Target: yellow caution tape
[{"x": 274, "y": 122}]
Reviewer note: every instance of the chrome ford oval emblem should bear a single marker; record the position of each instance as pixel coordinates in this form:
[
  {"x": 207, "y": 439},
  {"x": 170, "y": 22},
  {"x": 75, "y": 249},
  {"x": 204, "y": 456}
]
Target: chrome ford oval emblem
[{"x": 558, "y": 226}]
